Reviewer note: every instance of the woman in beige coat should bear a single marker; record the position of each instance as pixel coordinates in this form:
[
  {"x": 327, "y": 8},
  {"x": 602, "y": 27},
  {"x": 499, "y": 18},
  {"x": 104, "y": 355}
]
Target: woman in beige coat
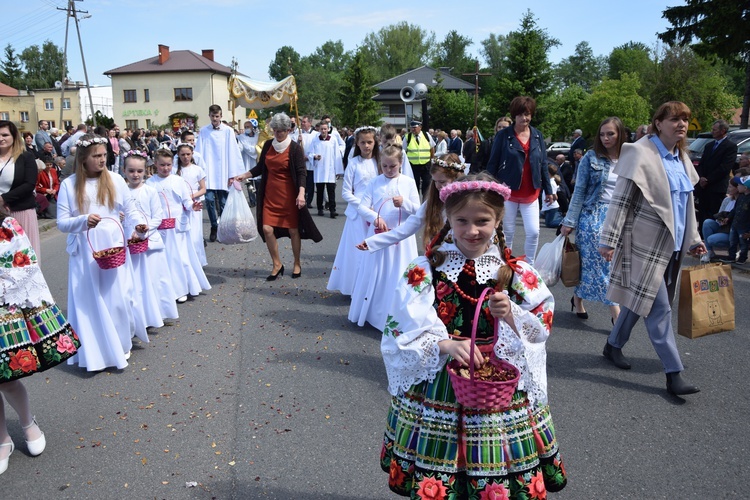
[{"x": 653, "y": 199}]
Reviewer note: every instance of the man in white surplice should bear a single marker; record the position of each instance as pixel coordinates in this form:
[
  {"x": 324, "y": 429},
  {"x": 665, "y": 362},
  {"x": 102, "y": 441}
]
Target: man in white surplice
[
  {"x": 217, "y": 144},
  {"x": 325, "y": 156}
]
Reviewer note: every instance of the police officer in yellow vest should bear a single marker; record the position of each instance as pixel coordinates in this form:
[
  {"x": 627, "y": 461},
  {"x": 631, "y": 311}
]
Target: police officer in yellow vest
[{"x": 419, "y": 148}]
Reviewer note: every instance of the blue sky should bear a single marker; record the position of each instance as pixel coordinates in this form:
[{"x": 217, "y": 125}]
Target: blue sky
[{"x": 121, "y": 32}]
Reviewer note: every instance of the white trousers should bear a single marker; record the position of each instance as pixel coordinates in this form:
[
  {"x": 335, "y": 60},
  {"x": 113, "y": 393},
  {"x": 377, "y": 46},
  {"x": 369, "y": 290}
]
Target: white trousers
[{"x": 530, "y": 216}]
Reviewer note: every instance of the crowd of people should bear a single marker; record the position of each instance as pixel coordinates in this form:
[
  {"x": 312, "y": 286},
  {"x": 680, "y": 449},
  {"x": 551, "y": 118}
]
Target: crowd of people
[{"x": 461, "y": 196}]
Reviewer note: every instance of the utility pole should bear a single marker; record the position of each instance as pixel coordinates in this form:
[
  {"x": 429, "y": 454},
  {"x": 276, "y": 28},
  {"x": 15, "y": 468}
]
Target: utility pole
[{"x": 72, "y": 12}]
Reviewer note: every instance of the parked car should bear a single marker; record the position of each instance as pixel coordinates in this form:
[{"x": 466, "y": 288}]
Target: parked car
[
  {"x": 557, "y": 148},
  {"x": 740, "y": 137}
]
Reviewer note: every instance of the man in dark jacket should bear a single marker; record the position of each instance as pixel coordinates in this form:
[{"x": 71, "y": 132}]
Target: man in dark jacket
[
  {"x": 578, "y": 143},
  {"x": 715, "y": 165}
]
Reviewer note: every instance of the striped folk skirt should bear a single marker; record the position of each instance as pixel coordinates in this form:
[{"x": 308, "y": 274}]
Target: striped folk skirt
[{"x": 435, "y": 448}]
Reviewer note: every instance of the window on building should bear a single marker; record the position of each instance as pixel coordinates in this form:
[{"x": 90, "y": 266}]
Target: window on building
[
  {"x": 67, "y": 123},
  {"x": 4, "y": 115},
  {"x": 148, "y": 124},
  {"x": 129, "y": 96},
  {"x": 49, "y": 104},
  {"x": 24, "y": 116},
  {"x": 131, "y": 124},
  {"x": 146, "y": 95},
  {"x": 66, "y": 103},
  {"x": 183, "y": 94},
  {"x": 51, "y": 124}
]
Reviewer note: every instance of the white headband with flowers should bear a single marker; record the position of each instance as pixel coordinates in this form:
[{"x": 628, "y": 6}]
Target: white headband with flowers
[{"x": 88, "y": 142}]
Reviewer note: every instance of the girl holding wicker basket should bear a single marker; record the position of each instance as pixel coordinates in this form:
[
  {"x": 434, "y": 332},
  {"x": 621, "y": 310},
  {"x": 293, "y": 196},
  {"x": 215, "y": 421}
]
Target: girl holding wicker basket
[
  {"x": 464, "y": 350},
  {"x": 101, "y": 293}
]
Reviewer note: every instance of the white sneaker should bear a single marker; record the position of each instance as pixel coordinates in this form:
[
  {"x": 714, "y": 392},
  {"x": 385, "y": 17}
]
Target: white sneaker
[{"x": 182, "y": 299}]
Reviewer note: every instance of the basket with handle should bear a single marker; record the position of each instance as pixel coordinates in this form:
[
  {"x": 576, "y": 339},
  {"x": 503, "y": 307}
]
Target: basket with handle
[
  {"x": 378, "y": 231},
  {"x": 109, "y": 258},
  {"x": 169, "y": 222},
  {"x": 136, "y": 246},
  {"x": 483, "y": 394}
]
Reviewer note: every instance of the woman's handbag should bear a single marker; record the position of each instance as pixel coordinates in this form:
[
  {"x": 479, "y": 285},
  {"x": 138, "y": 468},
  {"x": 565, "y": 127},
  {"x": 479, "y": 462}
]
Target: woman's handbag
[
  {"x": 706, "y": 300},
  {"x": 570, "y": 275},
  {"x": 483, "y": 394}
]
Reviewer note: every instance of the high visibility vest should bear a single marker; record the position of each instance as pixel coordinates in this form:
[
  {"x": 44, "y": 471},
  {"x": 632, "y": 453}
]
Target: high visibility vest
[{"x": 418, "y": 153}]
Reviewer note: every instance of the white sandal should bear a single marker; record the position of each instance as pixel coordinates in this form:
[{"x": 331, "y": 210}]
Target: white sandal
[
  {"x": 35, "y": 447},
  {"x": 4, "y": 461}
]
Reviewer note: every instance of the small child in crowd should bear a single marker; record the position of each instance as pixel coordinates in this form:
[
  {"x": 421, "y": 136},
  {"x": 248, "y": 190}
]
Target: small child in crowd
[{"x": 177, "y": 202}]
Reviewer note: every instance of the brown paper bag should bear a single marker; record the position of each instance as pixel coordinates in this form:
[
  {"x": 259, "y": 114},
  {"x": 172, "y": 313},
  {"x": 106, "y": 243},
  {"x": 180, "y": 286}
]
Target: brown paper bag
[
  {"x": 571, "y": 264},
  {"x": 706, "y": 300}
]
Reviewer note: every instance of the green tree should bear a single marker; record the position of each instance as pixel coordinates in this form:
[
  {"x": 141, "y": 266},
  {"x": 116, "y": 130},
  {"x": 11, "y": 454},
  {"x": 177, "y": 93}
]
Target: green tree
[
  {"x": 582, "y": 68},
  {"x": 683, "y": 75},
  {"x": 615, "y": 98},
  {"x": 451, "y": 53},
  {"x": 495, "y": 52},
  {"x": 43, "y": 65},
  {"x": 453, "y": 110},
  {"x": 632, "y": 57},
  {"x": 720, "y": 27},
  {"x": 102, "y": 119},
  {"x": 330, "y": 56},
  {"x": 562, "y": 111},
  {"x": 528, "y": 71},
  {"x": 397, "y": 48},
  {"x": 357, "y": 106},
  {"x": 11, "y": 70},
  {"x": 280, "y": 66}
]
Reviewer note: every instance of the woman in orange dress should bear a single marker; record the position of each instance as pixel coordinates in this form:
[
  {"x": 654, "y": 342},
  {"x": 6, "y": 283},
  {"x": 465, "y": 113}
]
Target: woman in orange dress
[{"x": 281, "y": 209}]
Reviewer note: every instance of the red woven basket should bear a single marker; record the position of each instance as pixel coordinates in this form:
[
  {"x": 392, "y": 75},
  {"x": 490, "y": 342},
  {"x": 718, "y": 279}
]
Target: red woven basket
[
  {"x": 138, "y": 246},
  {"x": 109, "y": 258},
  {"x": 169, "y": 222},
  {"x": 482, "y": 394}
]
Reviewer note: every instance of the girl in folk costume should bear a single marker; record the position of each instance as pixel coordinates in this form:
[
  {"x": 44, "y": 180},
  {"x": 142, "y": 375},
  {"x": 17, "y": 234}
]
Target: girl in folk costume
[
  {"x": 195, "y": 176},
  {"x": 154, "y": 289},
  {"x": 362, "y": 168},
  {"x": 388, "y": 199},
  {"x": 445, "y": 169},
  {"x": 100, "y": 301},
  {"x": 177, "y": 202},
  {"x": 433, "y": 445},
  {"x": 35, "y": 335}
]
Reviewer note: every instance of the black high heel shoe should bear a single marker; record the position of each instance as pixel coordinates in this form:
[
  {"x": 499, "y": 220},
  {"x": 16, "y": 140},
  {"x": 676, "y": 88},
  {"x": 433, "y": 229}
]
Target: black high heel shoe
[
  {"x": 583, "y": 315},
  {"x": 296, "y": 275},
  {"x": 272, "y": 277}
]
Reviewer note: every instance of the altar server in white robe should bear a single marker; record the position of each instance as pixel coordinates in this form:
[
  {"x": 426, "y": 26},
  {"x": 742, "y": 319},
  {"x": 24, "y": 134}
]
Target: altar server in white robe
[{"x": 327, "y": 163}]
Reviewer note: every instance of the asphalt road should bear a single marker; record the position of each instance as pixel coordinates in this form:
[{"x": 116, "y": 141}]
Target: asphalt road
[{"x": 265, "y": 390}]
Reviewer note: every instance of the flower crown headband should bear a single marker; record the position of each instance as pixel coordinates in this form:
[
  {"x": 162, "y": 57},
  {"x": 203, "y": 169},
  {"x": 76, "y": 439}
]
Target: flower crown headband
[
  {"x": 88, "y": 142},
  {"x": 135, "y": 152},
  {"x": 366, "y": 128},
  {"x": 185, "y": 144},
  {"x": 460, "y": 167},
  {"x": 456, "y": 187}
]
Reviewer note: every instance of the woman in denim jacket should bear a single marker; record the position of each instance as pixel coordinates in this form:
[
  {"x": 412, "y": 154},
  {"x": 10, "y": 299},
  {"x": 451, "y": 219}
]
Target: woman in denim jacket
[
  {"x": 519, "y": 160},
  {"x": 595, "y": 183}
]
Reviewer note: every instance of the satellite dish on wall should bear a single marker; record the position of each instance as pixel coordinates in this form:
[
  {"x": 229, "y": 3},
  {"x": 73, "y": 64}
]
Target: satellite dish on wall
[
  {"x": 407, "y": 94},
  {"x": 420, "y": 91},
  {"x": 58, "y": 84}
]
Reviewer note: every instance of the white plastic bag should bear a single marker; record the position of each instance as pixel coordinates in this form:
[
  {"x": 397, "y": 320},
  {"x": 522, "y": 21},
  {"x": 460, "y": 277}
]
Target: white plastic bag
[
  {"x": 237, "y": 223},
  {"x": 548, "y": 262}
]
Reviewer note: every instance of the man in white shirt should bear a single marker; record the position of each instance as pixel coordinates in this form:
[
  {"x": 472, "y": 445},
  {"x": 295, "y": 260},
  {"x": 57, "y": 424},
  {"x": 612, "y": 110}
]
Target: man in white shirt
[
  {"x": 306, "y": 135},
  {"x": 222, "y": 159}
]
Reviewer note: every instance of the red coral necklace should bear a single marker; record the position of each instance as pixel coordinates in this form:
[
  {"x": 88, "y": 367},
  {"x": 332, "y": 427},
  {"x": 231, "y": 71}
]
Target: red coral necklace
[{"x": 468, "y": 268}]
